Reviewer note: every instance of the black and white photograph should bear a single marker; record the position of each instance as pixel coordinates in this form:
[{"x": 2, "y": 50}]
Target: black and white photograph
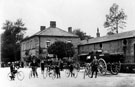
[{"x": 67, "y": 43}]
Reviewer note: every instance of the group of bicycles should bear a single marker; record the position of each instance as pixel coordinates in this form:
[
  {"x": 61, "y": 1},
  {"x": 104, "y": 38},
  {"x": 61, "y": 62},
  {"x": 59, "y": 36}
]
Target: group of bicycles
[{"x": 51, "y": 73}]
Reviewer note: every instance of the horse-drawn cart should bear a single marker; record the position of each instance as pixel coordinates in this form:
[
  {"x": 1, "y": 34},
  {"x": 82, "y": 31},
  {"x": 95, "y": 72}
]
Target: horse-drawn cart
[{"x": 107, "y": 62}]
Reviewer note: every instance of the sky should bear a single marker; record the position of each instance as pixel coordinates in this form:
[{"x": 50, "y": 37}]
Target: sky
[{"x": 86, "y": 15}]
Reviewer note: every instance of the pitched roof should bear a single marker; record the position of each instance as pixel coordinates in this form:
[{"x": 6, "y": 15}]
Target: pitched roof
[
  {"x": 55, "y": 32},
  {"x": 123, "y": 35}
]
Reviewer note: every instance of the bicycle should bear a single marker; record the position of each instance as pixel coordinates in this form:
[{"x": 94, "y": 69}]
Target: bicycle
[
  {"x": 32, "y": 74},
  {"x": 50, "y": 73},
  {"x": 74, "y": 73},
  {"x": 19, "y": 74},
  {"x": 87, "y": 71},
  {"x": 44, "y": 73}
]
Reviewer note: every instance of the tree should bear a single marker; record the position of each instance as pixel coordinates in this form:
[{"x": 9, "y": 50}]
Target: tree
[
  {"x": 70, "y": 50},
  {"x": 81, "y": 34},
  {"x": 61, "y": 49},
  {"x": 110, "y": 33},
  {"x": 13, "y": 34},
  {"x": 115, "y": 19}
]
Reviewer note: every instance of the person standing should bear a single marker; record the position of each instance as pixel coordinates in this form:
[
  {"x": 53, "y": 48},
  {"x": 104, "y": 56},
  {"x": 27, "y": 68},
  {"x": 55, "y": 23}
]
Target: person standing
[
  {"x": 34, "y": 66},
  {"x": 94, "y": 66},
  {"x": 13, "y": 70},
  {"x": 61, "y": 64},
  {"x": 71, "y": 69},
  {"x": 57, "y": 68},
  {"x": 42, "y": 66}
]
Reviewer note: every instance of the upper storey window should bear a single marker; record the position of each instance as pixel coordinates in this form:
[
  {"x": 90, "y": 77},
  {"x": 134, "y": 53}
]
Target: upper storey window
[
  {"x": 69, "y": 41},
  {"x": 48, "y": 43}
]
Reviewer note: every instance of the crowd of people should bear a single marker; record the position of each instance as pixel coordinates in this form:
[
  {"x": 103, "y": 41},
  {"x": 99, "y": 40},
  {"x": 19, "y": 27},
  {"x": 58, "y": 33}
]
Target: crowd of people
[{"x": 55, "y": 64}]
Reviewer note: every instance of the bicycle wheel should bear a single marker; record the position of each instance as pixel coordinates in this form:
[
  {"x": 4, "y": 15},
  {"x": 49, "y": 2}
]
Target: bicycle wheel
[
  {"x": 75, "y": 73},
  {"x": 67, "y": 73},
  {"x": 89, "y": 72},
  {"x": 52, "y": 74},
  {"x": 9, "y": 76},
  {"x": 45, "y": 74},
  {"x": 30, "y": 75},
  {"x": 20, "y": 75},
  {"x": 84, "y": 74}
]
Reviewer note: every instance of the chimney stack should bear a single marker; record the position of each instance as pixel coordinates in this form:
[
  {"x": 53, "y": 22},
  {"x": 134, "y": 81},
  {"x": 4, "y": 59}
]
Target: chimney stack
[
  {"x": 70, "y": 29},
  {"x": 98, "y": 34},
  {"x": 42, "y": 28},
  {"x": 53, "y": 24}
]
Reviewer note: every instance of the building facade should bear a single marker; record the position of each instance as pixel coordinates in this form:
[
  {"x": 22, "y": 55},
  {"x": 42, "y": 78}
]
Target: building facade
[
  {"x": 122, "y": 43},
  {"x": 44, "y": 38}
]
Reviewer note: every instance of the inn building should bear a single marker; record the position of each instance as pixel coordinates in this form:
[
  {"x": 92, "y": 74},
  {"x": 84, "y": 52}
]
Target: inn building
[{"x": 44, "y": 38}]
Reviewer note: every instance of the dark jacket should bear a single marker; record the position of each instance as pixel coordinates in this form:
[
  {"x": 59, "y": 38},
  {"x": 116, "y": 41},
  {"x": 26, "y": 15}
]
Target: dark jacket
[{"x": 94, "y": 64}]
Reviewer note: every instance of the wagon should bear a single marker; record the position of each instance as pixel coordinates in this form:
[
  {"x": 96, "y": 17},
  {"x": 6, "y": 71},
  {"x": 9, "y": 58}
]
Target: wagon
[{"x": 108, "y": 62}]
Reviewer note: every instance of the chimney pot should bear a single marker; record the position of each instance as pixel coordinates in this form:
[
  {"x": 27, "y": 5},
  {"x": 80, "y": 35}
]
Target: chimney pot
[
  {"x": 53, "y": 24},
  {"x": 42, "y": 28},
  {"x": 70, "y": 29},
  {"x": 98, "y": 33}
]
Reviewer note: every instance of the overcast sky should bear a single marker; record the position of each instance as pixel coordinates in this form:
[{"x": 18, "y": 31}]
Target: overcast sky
[{"x": 84, "y": 14}]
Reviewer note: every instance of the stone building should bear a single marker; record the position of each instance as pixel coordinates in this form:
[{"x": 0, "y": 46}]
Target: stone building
[
  {"x": 122, "y": 43},
  {"x": 44, "y": 38}
]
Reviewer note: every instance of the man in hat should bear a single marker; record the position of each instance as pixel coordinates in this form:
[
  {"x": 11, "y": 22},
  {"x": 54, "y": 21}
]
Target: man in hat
[{"x": 94, "y": 66}]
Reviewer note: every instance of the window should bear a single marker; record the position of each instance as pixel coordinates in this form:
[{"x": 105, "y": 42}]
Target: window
[
  {"x": 100, "y": 45},
  {"x": 69, "y": 41},
  {"x": 124, "y": 42},
  {"x": 48, "y": 43},
  {"x": 31, "y": 44}
]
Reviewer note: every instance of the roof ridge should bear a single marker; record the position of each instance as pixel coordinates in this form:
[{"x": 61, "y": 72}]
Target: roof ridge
[
  {"x": 43, "y": 31},
  {"x": 115, "y": 34},
  {"x": 126, "y": 34},
  {"x": 39, "y": 32},
  {"x": 66, "y": 31}
]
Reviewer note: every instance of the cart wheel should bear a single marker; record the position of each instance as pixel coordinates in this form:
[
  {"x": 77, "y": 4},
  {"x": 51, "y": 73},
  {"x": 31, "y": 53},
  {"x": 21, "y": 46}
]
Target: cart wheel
[
  {"x": 115, "y": 68},
  {"x": 20, "y": 75},
  {"x": 102, "y": 66}
]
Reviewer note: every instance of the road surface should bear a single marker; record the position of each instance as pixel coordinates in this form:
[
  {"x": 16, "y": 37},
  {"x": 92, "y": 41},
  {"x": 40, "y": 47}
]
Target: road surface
[{"x": 120, "y": 80}]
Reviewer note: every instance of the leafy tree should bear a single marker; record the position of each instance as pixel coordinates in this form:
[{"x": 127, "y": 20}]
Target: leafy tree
[
  {"x": 61, "y": 49},
  {"x": 81, "y": 34},
  {"x": 115, "y": 19},
  {"x": 69, "y": 50},
  {"x": 57, "y": 48},
  {"x": 110, "y": 33},
  {"x": 13, "y": 34}
]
